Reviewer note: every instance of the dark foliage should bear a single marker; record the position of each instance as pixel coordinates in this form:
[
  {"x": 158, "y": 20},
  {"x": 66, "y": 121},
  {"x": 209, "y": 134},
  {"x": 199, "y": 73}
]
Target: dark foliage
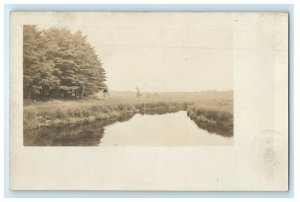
[{"x": 59, "y": 64}]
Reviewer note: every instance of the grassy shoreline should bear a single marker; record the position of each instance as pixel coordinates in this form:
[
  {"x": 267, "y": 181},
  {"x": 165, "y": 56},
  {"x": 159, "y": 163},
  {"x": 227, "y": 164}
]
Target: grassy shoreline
[
  {"x": 213, "y": 120},
  {"x": 216, "y": 116},
  {"x": 66, "y": 113}
]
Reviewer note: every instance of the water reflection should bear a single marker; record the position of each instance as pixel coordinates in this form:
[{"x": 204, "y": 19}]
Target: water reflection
[
  {"x": 167, "y": 129},
  {"x": 84, "y": 134},
  {"x": 226, "y": 131},
  {"x": 171, "y": 129}
]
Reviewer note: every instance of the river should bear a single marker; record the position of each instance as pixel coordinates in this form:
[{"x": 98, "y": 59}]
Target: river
[{"x": 170, "y": 129}]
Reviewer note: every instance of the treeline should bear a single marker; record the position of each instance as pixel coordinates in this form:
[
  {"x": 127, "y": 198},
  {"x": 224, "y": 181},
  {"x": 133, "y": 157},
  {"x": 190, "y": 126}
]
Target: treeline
[{"x": 59, "y": 64}]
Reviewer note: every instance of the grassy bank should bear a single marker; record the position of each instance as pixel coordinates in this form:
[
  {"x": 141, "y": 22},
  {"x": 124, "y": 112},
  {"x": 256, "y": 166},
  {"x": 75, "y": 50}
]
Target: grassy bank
[
  {"x": 74, "y": 112},
  {"x": 216, "y": 117},
  {"x": 213, "y": 114}
]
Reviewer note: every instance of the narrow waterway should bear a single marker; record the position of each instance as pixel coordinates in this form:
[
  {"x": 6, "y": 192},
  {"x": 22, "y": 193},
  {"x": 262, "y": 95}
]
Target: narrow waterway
[{"x": 171, "y": 129}]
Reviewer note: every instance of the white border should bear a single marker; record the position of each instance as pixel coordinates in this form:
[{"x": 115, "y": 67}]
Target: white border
[{"x": 296, "y": 78}]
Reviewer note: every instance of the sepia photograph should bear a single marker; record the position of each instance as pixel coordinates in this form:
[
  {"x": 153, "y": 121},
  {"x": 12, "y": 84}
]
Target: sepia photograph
[
  {"x": 149, "y": 101},
  {"x": 117, "y": 83}
]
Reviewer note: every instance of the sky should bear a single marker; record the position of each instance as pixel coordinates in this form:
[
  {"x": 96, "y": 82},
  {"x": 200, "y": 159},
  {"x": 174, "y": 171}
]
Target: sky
[{"x": 159, "y": 52}]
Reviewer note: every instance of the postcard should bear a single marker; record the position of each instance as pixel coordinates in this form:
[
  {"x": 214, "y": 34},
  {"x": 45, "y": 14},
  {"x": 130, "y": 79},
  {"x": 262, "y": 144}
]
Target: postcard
[{"x": 157, "y": 101}]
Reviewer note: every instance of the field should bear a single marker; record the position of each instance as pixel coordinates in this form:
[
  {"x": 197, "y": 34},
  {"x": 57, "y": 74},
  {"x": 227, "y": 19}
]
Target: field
[{"x": 207, "y": 109}]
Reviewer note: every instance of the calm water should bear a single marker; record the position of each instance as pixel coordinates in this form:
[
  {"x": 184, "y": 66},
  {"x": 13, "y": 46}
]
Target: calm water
[{"x": 172, "y": 129}]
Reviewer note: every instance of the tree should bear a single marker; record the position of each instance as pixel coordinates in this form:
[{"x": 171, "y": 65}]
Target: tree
[
  {"x": 59, "y": 63},
  {"x": 138, "y": 92}
]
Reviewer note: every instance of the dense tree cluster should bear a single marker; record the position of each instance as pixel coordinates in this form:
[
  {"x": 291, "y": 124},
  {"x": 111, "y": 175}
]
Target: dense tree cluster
[{"x": 59, "y": 64}]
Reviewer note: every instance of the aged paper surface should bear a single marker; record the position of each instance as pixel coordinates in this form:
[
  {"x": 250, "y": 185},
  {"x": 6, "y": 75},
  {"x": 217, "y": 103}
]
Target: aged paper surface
[{"x": 256, "y": 47}]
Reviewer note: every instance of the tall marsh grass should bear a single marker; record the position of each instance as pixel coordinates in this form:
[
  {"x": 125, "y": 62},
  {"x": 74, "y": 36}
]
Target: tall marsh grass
[
  {"x": 216, "y": 117},
  {"x": 71, "y": 112}
]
